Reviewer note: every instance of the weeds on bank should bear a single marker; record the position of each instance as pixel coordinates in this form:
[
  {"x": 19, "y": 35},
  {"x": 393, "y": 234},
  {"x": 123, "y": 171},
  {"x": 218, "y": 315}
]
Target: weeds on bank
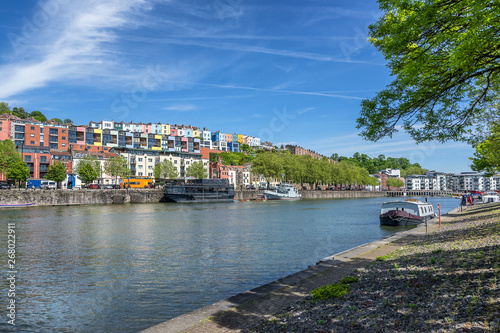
[{"x": 334, "y": 289}]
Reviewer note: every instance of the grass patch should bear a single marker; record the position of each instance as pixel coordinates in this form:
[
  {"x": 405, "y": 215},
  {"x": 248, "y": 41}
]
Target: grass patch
[
  {"x": 349, "y": 279},
  {"x": 330, "y": 291},
  {"x": 383, "y": 258}
]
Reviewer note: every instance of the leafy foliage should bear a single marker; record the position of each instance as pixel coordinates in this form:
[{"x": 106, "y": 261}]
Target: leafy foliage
[
  {"x": 7, "y": 153},
  {"x": 166, "y": 170},
  {"x": 374, "y": 165},
  {"x": 487, "y": 155},
  {"x": 18, "y": 170},
  {"x": 444, "y": 57},
  {"x": 330, "y": 291},
  {"x": 395, "y": 182},
  {"x": 231, "y": 158},
  {"x": 305, "y": 169},
  {"x": 197, "y": 170},
  {"x": 117, "y": 166},
  {"x": 88, "y": 168},
  {"x": 56, "y": 172}
]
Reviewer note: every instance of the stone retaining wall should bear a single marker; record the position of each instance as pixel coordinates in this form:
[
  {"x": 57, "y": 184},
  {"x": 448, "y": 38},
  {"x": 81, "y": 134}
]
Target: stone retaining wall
[
  {"x": 84, "y": 197},
  {"x": 97, "y": 196}
]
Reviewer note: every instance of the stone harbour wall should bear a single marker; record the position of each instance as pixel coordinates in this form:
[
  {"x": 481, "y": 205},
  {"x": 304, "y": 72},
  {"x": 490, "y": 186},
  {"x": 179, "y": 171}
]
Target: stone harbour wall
[
  {"x": 98, "y": 196},
  {"x": 78, "y": 197}
]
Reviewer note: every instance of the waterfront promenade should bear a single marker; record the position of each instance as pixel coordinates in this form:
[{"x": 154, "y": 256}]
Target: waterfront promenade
[{"x": 425, "y": 279}]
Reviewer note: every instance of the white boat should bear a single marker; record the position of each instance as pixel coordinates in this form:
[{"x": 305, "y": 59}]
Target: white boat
[
  {"x": 408, "y": 212},
  {"x": 491, "y": 198},
  {"x": 284, "y": 191}
]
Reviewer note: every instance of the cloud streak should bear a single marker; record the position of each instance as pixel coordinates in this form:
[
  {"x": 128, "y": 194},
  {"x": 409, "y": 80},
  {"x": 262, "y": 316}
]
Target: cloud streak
[{"x": 76, "y": 42}]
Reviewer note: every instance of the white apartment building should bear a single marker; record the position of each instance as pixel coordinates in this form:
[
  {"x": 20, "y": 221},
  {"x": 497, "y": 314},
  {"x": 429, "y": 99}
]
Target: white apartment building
[
  {"x": 142, "y": 163},
  {"x": 465, "y": 181}
]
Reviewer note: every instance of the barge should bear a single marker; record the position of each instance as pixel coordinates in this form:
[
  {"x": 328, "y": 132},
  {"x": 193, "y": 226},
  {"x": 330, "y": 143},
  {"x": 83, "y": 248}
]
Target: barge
[
  {"x": 408, "y": 212},
  {"x": 198, "y": 190}
]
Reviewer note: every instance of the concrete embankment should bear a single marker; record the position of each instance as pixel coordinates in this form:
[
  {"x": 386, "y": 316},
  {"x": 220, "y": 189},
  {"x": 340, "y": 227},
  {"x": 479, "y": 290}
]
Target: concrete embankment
[
  {"x": 242, "y": 312},
  {"x": 98, "y": 196}
]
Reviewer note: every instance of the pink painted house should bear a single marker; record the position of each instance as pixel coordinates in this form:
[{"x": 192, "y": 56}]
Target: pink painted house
[{"x": 5, "y": 126}]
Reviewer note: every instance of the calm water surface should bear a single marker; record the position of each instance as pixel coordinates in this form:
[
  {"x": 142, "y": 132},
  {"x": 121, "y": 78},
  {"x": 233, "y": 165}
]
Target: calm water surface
[{"x": 123, "y": 268}]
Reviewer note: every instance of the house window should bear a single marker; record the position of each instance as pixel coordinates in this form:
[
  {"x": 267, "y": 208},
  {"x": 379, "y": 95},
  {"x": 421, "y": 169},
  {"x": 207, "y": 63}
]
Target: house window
[
  {"x": 32, "y": 135},
  {"x": 43, "y": 159},
  {"x": 32, "y": 128},
  {"x": 64, "y": 138},
  {"x": 32, "y": 142},
  {"x": 140, "y": 173},
  {"x": 150, "y": 160},
  {"x": 140, "y": 159},
  {"x": 27, "y": 158}
]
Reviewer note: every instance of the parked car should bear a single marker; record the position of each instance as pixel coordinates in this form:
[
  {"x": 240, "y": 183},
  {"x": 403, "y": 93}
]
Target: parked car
[
  {"x": 93, "y": 186},
  {"x": 4, "y": 186},
  {"x": 48, "y": 185},
  {"x": 250, "y": 187},
  {"x": 107, "y": 186}
]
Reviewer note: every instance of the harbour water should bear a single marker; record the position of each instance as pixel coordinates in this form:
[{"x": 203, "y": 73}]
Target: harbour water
[{"x": 123, "y": 268}]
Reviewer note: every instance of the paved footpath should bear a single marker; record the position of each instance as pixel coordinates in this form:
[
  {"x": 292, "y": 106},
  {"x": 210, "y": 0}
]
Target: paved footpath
[{"x": 248, "y": 309}]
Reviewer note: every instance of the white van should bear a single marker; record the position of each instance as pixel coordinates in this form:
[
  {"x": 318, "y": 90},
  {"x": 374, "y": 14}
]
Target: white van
[{"x": 48, "y": 184}]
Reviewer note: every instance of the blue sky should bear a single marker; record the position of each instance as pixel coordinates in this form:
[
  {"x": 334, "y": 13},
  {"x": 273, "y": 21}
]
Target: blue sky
[{"x": 286, "y": 71}]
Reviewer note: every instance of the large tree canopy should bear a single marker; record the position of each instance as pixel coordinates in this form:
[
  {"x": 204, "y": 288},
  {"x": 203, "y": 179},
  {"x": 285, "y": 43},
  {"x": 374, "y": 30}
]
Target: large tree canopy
[
  {"x": 444, "y": 56},
  {"x": 487, "y": 155}
]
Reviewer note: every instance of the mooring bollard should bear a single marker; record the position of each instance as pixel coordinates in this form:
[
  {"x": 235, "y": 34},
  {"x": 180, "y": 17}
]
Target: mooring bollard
[{"x": 439, "y": 209}]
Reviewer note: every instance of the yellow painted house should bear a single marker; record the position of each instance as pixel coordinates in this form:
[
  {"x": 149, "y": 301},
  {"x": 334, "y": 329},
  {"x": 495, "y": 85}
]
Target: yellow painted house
[{"x": 165, "y": 129}]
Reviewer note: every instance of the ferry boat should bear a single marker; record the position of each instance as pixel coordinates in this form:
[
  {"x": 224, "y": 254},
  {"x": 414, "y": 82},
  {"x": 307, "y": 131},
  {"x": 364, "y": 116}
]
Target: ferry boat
[
  {"x": 284, "y": 191},
  {"x": 198, "y": 190},
  {"x": 408, "y": 212}
]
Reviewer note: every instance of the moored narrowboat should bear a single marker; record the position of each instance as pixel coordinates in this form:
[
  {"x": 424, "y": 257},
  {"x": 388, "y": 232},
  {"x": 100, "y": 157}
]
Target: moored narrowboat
[{"x": 408, "y": 212}]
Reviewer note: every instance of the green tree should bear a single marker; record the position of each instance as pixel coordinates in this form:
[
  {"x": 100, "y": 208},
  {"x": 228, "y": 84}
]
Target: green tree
[
  {"x": 487, "y": 155},
  {"x": 68, "y": 121},
  {"x": 7, "y": 152},
  {"x": 413, "y": 170},
  {"x": 88, "y": 168},
  {"x": 18, "y": 170},
  {"x": 197, "y": 170},
  {"x": 4, "y": 107},
  {"x": 56, "y": 120},
  {"x": 165, "y": 170},
  {"x": 443, "y": 55},
  {"x": 117, "y": 167},
  {"x": 38, "y": 116},
  {"x": 269, "y": 165},
  {"x": 56, "y": 172},
  {"x": 395, "y": 182}
]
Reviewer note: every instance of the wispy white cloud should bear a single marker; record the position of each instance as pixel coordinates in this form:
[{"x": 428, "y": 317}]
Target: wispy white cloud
[
  {"x": 252, "y": 49},
  {"x": 77, "y": 42},
  {"x": 293, "y": 92},
  {"x": 180, "y": 107}
]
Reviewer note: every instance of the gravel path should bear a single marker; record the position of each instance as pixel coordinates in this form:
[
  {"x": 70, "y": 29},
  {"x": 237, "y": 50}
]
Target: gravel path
[{"x": 447, "y": 282}]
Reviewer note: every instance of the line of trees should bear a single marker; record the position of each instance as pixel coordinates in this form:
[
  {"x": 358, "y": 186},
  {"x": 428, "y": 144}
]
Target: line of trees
[
  {"x": 302, "y": 169},
  {"x": 374, "y": 165}
]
